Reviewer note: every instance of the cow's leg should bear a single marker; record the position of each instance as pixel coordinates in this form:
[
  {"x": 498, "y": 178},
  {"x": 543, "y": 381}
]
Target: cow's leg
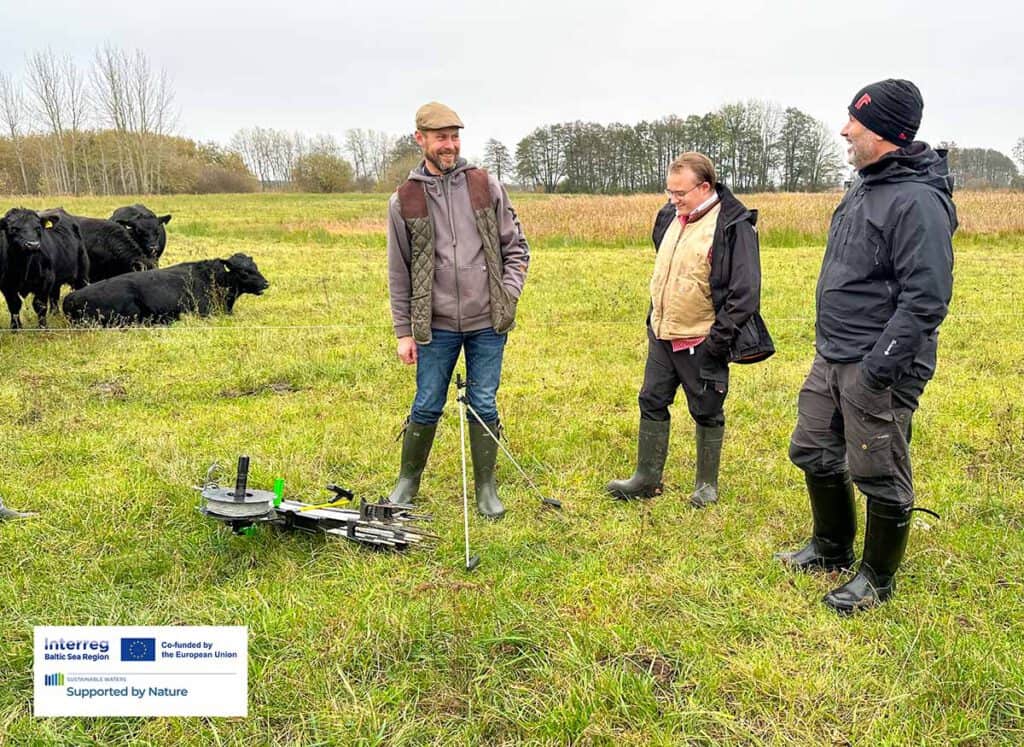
[
  {"x": 14, "y": 307},
  {"x": 40, "y": 301}
]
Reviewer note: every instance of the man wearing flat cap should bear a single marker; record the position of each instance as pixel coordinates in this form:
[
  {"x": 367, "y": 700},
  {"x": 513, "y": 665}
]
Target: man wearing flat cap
[
  {"x": 884, "y": 289},
  {"x": 457, "y": 261}
]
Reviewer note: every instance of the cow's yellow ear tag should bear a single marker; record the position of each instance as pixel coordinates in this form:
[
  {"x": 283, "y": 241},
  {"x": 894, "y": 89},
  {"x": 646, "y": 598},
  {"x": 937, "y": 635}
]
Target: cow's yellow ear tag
[{"x": 48, "y": 224}]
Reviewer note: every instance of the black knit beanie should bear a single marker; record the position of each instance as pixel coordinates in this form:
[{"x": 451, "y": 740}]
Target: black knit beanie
[{"x": 890, "y": 108}]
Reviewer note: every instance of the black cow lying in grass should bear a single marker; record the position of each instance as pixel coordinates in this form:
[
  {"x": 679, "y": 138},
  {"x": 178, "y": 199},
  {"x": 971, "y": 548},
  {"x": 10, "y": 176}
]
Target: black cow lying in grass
[
  {"x": 43, "y": 253},
  {"x": 113, "y": 248},
  {"x": 161, "y": 296}
]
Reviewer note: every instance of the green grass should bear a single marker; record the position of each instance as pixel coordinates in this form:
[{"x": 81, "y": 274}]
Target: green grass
[{"x": 614, "y": 624}]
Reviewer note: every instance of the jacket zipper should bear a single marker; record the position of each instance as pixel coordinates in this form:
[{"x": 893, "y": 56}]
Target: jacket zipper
[{"x": 446, "y": 192}]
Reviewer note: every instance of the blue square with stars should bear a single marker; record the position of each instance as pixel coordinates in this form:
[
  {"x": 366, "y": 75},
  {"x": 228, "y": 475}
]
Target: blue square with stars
[{"x": 138, "y": 649}]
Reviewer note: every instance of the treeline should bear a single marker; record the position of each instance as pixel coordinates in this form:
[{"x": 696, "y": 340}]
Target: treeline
[
  {"x": 108, "y": 128},
  {"x": 756, "y": 146},
  {"x": 366, "y": 161},
  {"x": 984, "y": 168}
]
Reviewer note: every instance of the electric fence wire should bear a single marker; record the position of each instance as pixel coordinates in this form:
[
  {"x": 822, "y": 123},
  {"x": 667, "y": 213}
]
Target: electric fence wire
[{"x": 212, "y": 329}]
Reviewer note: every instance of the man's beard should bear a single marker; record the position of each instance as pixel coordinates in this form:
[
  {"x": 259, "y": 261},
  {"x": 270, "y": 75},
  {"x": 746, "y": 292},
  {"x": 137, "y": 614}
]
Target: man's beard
[
  {"x": 439, "y": 166},
  {"x": 855, "y": 156}
]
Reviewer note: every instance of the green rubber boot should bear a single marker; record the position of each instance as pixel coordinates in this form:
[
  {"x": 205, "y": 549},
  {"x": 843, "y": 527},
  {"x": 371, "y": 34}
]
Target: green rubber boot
[
  {"x": 415, "y": 450},
  {"x": 484, "y": 451},
  {"x": 709, "y": 458},
  {"x": 651, "y": 452}
]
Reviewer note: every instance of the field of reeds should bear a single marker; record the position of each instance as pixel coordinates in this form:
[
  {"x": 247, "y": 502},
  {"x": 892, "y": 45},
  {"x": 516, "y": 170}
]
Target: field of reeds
[{"x": 608, "y": 623}]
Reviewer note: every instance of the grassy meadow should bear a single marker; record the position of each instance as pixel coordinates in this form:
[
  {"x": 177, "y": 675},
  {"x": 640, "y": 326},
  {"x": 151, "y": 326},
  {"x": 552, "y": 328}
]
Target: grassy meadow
[{"x": 608, "y": 624}]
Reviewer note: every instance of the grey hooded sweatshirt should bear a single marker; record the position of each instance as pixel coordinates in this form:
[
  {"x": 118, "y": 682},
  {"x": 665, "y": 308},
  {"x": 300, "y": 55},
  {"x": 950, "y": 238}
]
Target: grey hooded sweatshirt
[{"x": 461, "y": 299}]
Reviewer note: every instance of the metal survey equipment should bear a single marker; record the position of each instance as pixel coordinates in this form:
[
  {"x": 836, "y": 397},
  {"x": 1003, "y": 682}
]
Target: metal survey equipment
[{"x": 378, "y": 525}]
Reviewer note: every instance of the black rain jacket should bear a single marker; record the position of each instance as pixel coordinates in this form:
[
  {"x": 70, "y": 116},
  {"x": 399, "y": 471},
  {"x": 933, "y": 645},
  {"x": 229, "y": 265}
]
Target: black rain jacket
[
  {"x": 738, "y": 333},
  {"x": 887, "y": 275}
]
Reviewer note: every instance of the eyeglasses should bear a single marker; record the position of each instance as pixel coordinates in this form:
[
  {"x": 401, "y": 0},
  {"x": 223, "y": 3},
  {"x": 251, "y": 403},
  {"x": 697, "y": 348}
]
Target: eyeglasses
[{"x": 678, "y": 195}]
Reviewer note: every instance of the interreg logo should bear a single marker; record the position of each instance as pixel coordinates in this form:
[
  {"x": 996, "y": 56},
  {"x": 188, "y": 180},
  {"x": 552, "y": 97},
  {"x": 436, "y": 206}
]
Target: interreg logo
[
  {"x": 53, "y": 680},
  {"x": 138, "y": 649},
  {"x": 69, "y": 649},
  {"x": 62, "y": 644}
]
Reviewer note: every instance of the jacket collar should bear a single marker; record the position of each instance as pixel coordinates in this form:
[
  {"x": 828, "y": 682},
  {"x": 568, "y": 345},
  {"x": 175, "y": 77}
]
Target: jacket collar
[
  {"x": 733, "y": 211},
  {"x": 420, "y": 173}
]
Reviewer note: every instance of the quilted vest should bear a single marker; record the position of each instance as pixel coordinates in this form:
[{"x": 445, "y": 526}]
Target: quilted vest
[{"x": 413, "y": 205}]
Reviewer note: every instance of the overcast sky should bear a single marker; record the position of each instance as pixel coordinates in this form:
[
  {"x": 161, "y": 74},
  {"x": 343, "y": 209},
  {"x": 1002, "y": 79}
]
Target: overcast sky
[{"x": 507, "y": 67}]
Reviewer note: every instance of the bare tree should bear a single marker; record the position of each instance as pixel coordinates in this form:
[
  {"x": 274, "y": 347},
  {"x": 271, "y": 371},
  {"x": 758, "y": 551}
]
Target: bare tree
[
  {"x": 138, "y": 103},
  {"x": 823, "y": 162},
  {"x": 110, "y": 94},
  {"x": 497, "y": 159},
  {"x": 45, "y": 78},
  {"x": 77, "y": 105},
  {"x": 766, "y": 142},
  {"x": 13, "y": 110},
  {"x": 271, "y": 154},
  {"x": 357, "y": 146},
  {"x": 248, "y": 145}
]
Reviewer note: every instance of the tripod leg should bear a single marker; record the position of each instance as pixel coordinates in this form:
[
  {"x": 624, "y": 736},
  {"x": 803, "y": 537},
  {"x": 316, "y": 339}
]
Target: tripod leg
[
  {"x": 471, "y": 562},
  {"x": 543, "y": 499}
]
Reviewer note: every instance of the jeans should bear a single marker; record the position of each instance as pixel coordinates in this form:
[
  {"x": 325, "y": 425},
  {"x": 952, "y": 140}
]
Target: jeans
[{"x": 436, "y": 361}]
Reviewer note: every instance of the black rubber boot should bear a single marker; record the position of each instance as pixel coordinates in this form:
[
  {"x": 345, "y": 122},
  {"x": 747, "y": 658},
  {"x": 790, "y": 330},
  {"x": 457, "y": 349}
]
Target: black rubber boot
[
  {"x": 415, "y": 450},
  {"x": 709, "y": 457},
  {"x": 885, "y": 541},
  {"x": 484, "y": 450},
  {"x": 835, "y": 524},
  {"x": 651, "y": 452}
]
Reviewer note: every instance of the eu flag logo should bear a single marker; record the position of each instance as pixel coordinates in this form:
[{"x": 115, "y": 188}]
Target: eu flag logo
[{"x": 138, "y": 649}]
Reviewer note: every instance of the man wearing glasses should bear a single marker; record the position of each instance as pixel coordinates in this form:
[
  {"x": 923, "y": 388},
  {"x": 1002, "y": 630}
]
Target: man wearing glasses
[{"x": 705, "y": 296}]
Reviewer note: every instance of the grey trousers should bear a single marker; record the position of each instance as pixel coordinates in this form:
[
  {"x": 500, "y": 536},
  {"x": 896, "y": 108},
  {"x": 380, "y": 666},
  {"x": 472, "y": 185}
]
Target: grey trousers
[{"x": 845, "y": 425}]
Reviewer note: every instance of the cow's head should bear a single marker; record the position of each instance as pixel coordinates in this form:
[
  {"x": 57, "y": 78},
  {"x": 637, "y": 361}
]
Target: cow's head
[
  {"x": 24, "y": 228},
  {"x": 243, "y": 276},
  {"x": 146, "y": 229}
]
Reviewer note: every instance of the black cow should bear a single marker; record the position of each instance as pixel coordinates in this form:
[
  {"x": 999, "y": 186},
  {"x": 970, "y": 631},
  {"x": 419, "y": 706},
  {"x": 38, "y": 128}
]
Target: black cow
[
  {"x": 112, "y": 249},
  {"x": 161, "y": 296},
  {"x": 3, "y": 256},
  {"x": 146, "y": 228},
  {"x": 43, "y": 253}
]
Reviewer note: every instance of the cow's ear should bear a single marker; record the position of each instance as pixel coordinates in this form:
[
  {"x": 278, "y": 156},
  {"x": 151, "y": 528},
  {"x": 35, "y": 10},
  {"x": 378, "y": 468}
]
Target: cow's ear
[
  {"x": 50, "y": 221},
  {"x": 164, "y": 218},
  {"x": 123, "y": 223}
]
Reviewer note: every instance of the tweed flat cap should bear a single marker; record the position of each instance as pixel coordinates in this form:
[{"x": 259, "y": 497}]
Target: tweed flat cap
[{"x": 436, "y": 116}]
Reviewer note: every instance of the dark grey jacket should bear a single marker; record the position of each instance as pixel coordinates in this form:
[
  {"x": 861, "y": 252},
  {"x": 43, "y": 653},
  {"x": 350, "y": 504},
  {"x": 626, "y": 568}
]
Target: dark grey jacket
[{"x": 887, "y": 275}]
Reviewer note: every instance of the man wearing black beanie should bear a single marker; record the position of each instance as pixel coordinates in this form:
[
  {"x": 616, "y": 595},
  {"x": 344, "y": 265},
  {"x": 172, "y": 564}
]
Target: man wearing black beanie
[{"x": 884, "y": 289}]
